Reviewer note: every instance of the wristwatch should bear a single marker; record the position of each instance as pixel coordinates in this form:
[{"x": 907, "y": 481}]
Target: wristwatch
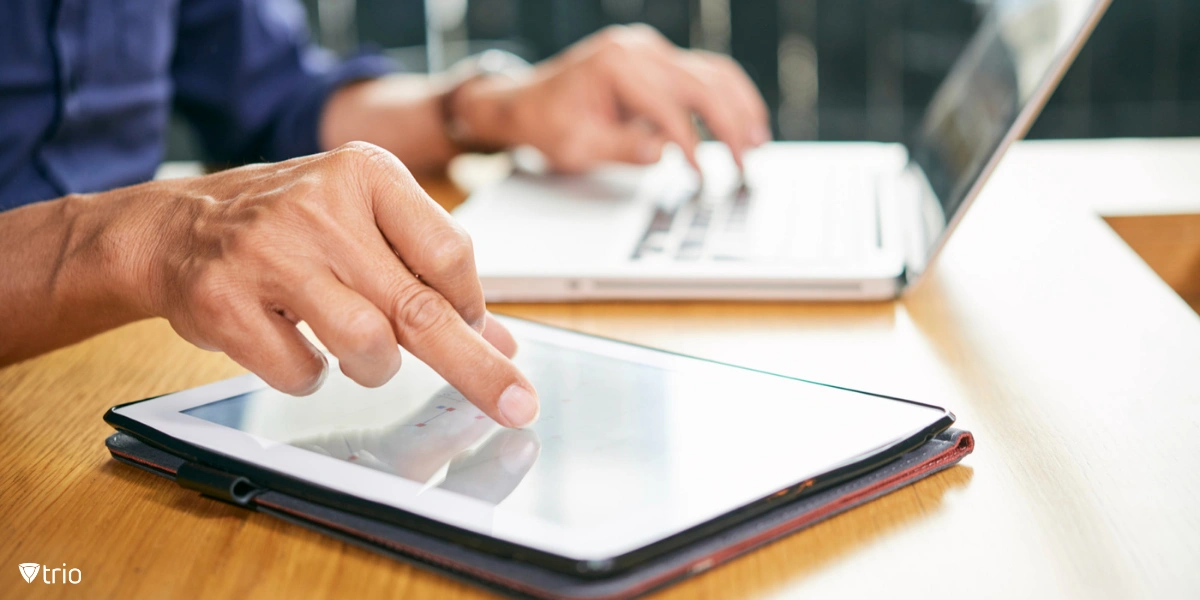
[{"x": 491, "y": 63}]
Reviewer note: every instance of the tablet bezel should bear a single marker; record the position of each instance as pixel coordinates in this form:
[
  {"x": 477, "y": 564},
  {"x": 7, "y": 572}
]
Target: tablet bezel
[{"x": 599, "y": 565}]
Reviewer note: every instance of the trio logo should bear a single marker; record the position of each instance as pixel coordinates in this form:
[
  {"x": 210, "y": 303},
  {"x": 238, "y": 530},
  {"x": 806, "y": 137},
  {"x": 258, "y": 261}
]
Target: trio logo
[{"x": 29, "y": 571}]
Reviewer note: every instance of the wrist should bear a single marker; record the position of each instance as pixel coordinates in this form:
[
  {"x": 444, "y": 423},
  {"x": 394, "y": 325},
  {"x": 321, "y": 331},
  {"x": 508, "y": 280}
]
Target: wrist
[
  {"x": 481, "y": 114},
  {"x": 480, "y": 108},
  {"x": 110, "y": 252}
]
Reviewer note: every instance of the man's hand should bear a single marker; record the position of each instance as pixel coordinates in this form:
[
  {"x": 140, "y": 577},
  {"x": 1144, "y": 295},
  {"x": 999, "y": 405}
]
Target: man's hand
[
  {"x": 345, "y": 241},
  {"x": 350, "y": 244},
  {"x": 618, "y": 95}
]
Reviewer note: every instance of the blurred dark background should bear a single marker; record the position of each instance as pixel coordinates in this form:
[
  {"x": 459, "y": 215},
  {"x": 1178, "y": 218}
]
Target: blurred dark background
[{"x": 830, "y": 69}]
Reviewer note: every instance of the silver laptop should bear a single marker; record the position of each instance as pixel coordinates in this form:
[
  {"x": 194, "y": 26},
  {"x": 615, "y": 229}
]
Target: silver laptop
[{"x": 817, "y": 221}]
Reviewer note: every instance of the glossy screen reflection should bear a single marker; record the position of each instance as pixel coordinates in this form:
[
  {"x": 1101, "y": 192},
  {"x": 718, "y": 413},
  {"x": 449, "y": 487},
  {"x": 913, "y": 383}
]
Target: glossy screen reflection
[
  {"x": 636, "y": 434},
  {"x": 1015, "y": 53}
]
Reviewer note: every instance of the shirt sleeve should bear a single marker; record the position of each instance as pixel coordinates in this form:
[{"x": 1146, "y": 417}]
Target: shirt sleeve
[{"x": 251, "y": 82}]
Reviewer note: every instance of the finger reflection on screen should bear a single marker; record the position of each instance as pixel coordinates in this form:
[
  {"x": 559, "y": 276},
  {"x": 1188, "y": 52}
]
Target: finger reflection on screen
[
  {"x": 446, "y": 443},
  {"x": 493, "y": 471}
]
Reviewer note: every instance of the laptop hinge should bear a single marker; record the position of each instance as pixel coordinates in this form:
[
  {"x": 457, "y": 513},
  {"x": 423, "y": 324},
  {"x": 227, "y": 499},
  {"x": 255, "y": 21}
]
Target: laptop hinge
[{"x": 923, "y": 220}]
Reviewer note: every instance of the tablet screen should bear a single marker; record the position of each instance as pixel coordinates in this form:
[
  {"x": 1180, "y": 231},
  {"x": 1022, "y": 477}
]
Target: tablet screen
[{"x": 632, "y": 446}]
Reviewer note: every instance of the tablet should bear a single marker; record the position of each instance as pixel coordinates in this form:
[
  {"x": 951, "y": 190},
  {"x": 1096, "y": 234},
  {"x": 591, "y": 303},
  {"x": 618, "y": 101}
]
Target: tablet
[{"x": 637, "y": 451}]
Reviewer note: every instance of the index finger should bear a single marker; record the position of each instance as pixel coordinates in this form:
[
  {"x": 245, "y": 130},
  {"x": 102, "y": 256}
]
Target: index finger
[
  {"x": 426, "y": 238},
  {"x": 649, "y": 97},
  {"x": 749, "y": 96},
  {"x": 428, "y": 327},
  {"x": 426, "y": 319}
]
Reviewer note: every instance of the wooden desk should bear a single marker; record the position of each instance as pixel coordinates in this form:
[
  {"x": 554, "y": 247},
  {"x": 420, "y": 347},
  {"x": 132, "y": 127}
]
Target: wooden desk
[
  {"x": 1077, "y": 369},
  {"x": 1148, "y": 191}
]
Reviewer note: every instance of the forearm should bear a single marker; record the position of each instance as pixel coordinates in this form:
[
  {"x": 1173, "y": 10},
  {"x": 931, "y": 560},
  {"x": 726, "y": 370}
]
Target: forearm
[
  {"x": 66, "y": 273},
  {"x": 401, "y": 113},
  {"x": 406, "y": 115}
]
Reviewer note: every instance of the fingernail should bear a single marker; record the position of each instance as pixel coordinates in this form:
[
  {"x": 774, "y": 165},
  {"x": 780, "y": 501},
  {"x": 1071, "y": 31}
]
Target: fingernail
[
  {"x": 320, "y": 378},
  {"x": 760, "y": 135},
  {"x": 649, "y": 152},
  {"x": 519, "y": 406},
  {"x": 479, "y": 324},
  {"x": 519, "y": 452}
]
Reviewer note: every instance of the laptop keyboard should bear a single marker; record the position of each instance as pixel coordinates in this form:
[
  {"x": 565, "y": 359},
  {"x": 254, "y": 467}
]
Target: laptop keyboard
[{"x": 834, "y": 220}]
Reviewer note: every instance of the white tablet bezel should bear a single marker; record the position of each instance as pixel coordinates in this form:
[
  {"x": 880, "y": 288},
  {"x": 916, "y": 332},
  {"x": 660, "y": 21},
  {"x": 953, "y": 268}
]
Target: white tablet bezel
[{"x": 164, "y": 414}]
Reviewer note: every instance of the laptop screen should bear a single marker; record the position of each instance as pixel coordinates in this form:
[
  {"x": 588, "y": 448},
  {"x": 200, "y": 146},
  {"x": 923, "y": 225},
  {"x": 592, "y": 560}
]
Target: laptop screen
[{"x": 997, "y": 86}]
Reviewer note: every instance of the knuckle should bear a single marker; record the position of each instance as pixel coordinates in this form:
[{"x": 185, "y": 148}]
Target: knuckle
[
  {"x": 644, "y": 32},
  {"x": 612, "y": 36},
  {"x": 358, "y": 150},
  {"x": 419, "y": 309},
  {"x": 451, "y": 254},
  {"x": 368, "y": 167},
  {"x": 723, "y": 62},
  {"x": 365, "y": 332},
  {"x": 365, "y": 155},
  {"x": 617, "y": 42}
]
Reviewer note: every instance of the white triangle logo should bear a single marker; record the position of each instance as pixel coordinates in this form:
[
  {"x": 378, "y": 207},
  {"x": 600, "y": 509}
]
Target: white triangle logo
[{"x": 29, "y": 571}]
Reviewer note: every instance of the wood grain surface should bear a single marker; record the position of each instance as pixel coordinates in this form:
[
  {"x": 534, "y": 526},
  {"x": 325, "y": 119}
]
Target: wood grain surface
[{"x": 1076, "y": 367}]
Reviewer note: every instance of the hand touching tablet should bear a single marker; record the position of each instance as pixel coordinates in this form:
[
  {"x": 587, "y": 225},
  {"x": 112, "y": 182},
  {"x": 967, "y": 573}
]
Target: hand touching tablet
[{"x": 346, "y": 241}]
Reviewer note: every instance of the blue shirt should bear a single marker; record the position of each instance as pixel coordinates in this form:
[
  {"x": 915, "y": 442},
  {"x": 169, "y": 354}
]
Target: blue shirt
[{"x": 86, "y": 87}]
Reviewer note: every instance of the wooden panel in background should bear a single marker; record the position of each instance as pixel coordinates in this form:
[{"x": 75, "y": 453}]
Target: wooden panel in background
[{"x": 1170, "y": 244}]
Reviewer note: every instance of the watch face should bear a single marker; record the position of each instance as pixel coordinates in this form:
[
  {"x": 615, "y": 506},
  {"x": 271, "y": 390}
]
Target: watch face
[
  {"x": 488, "y": 62},
  {"x": 500, "y": 62}
]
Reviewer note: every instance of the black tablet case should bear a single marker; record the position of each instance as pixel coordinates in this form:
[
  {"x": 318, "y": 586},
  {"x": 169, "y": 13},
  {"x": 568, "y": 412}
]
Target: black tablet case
[{"x": 524, "y": 579}]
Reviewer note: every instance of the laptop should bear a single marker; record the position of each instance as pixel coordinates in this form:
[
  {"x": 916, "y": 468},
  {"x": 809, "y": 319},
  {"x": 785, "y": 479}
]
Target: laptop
[{"x": 805, "y": 221}]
